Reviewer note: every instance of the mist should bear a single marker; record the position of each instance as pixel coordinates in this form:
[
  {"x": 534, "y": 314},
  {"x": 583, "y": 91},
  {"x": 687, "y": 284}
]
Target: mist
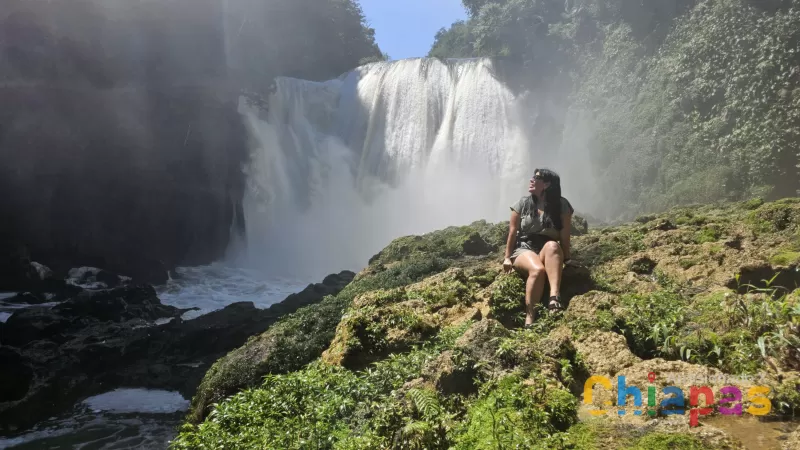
[{"x": 338, "y": 169}]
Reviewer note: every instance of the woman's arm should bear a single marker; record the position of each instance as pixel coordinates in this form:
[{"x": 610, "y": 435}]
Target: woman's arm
[
  {"x": 513, "y": 225},
  {"x": 566, "y": 231}
]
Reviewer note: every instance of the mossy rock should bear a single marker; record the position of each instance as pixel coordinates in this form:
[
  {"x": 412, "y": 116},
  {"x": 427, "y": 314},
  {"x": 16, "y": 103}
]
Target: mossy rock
[
  {"x": 754, "y": 203},
  {"x": 481, "y": 340},
  {"x": 579, "y": 226},
  {"x": 449, "y": 243},
  {"x": 643, "y": 265},
  {"x": 616, "y": 243},
  {"x": 440, "y": 371},
  {"x": 785, "y": 258},
  {"x": 447, "y": 289},
  {"x": 452, "y": 373},
  {"x": 290, "y": 344},
  {"x": 776, "y": 216},
  {"x": 368, "y": 333}
]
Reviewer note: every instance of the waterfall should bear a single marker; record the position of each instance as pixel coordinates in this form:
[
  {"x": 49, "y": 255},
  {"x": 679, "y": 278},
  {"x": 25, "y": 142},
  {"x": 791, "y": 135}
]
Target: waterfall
[{"x": 340, "y": 168}]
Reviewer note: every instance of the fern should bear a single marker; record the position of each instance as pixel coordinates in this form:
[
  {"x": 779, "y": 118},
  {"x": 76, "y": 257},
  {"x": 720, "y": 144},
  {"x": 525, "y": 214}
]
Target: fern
[{"x": 426, "y": 402}]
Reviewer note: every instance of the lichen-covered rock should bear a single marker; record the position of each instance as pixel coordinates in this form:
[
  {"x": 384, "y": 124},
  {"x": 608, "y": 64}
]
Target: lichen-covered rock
[
  {"x": 367, "y": 334},
  {"x": 792, "y": 441},
  {"x": 482, "y": 339},
  {"x": 385, "y": 321},
  {"x": 605, "y": 353},
  {"x": 452, "y": 373},
  {"x": 446, "y": 289},
  {"x": 589, "y": 307}
]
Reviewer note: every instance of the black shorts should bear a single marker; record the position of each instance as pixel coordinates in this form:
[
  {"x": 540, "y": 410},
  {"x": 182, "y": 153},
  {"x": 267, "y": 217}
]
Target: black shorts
[{"x": 534, "y": 243}]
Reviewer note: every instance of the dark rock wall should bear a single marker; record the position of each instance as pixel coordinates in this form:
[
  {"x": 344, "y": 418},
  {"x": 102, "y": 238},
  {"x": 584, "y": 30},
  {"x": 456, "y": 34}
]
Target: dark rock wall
[{"x": 120, "y": 141}]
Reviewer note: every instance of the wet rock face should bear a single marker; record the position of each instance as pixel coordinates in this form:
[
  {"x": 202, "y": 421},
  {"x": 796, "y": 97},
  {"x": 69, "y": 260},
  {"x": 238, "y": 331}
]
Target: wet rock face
[{"x": 97, "y": 340}]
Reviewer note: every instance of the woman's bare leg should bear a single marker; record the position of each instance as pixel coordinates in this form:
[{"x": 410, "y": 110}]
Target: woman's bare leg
[
  {"x": 553, "y": 259},
  {"x": 531, "y": 266}
]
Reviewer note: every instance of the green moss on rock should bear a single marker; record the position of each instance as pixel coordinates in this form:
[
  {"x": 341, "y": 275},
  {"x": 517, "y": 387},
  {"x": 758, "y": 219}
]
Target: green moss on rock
[
  {"x": 368, "y": 333},
  {"x": 298, "y": 339},
  {"x": 507, "y": 299},
  {"x": 288, "y": 345},
  {"x": 776, "y": 216}
]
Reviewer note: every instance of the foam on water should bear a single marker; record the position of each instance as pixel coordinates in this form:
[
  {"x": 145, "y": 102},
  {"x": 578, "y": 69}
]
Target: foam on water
[
  {"x": 7, "y": 309},
  {"x": 120, "y": 419},
  {"x": 138, "y": 400},
  {"x": 215, "y": 286}
]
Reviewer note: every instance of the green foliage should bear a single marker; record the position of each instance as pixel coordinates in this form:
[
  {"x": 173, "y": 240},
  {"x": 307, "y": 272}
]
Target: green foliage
[
  {"x": 730, "y": 131},
  {"x": 708, "y": 234},
  {"x": 299, "y": 338},
  {"x": 785, "y": 258},
  {"x": 732, "y": 331},
  {"x": 322, "y": 406},
  {"x": 622, "y": 242},
  {"x": 651, "y": 322},
  {"x": 290, "y": 344},
  {"x": 511, "y": 414},
  {"x": 267, "y": 44},
  {"x": 685, "y": 101},
  {"x": 456, "y": 42},
  {"x": 508, "y": 298},
  {"x": 667, "y": 441}
]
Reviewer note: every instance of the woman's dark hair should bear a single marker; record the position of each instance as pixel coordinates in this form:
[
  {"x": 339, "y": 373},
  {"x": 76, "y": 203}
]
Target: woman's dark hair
[{"x": 551, "y": 218}]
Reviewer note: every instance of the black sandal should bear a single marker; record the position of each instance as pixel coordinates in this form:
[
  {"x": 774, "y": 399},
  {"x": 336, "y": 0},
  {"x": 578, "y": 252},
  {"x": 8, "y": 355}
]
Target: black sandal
[{"x": 555, "y": 304}]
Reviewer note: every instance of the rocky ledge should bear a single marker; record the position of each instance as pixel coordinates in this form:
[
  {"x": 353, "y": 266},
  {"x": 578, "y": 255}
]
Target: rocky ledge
[
  {"x": 425, "y": 349},
  {"x": 105, "y": 332}
]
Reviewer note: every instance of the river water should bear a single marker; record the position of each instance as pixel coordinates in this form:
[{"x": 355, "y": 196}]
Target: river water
[{"x": 147, "y": 419}]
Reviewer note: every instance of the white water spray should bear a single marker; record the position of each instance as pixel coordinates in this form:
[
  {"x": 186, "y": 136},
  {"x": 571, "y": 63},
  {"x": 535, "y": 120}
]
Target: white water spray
[{"x": 340, "y": 168}]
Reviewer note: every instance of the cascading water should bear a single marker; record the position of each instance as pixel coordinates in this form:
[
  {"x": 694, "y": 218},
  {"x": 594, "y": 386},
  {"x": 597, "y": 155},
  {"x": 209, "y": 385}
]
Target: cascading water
[{"x": 340, "y": 168}]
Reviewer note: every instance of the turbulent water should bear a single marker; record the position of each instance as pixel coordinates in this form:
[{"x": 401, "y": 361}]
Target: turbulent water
[
  {"x": 342, "y": 167},
  {"x": 120, "y": 419}
]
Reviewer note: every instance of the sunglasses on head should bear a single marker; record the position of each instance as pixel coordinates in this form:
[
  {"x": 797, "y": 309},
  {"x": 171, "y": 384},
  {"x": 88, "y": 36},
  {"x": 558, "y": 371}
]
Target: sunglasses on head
[{"x": 538, "y": 177}]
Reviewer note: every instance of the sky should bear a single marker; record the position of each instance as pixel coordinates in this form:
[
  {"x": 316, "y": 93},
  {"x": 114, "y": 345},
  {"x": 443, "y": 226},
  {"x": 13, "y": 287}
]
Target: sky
[{"x": 405, "y": 28}]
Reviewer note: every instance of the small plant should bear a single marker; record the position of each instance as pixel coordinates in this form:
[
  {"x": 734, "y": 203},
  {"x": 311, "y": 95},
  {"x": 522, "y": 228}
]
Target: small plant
[{"x": 708, "y": 234}]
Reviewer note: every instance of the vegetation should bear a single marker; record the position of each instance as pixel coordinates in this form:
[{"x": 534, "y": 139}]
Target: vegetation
[
  {"x": 686, "y": 101},
  {"x": 425, "y": 348}
]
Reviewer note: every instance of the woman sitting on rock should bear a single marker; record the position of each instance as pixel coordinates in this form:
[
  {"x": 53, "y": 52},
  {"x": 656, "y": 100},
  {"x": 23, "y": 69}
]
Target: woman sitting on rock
[{"x": 538, "y": 239}]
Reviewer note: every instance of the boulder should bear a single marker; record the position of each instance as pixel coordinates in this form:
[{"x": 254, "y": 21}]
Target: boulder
[{"x": 94, "y": 278}]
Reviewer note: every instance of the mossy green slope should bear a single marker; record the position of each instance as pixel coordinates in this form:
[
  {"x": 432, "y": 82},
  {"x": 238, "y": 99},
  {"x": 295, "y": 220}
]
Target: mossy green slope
[{"x": 424, "y": 348}]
